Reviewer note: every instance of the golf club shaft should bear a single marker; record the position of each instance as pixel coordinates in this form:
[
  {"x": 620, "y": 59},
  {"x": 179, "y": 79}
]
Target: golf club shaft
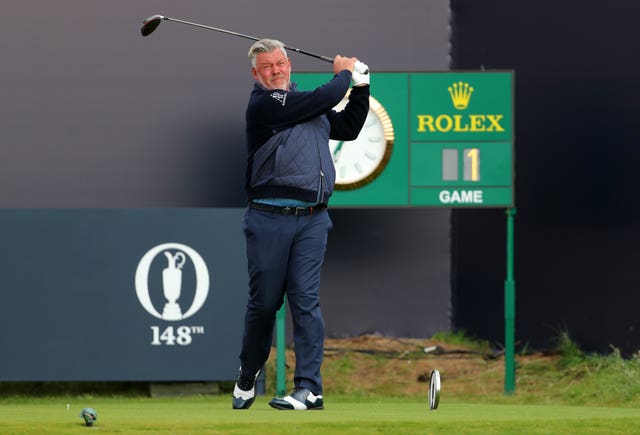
[{"x": 253, "y": 38}]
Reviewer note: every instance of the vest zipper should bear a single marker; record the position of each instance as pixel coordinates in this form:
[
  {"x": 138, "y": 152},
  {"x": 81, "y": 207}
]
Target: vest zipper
[{"x": 321, "y": 193}]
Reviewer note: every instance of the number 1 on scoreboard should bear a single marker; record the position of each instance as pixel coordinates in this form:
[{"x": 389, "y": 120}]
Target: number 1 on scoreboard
[{"x": 470, "y": 164}]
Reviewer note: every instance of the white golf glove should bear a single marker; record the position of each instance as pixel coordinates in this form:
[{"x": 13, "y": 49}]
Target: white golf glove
[{"x": 360, "y": 75}]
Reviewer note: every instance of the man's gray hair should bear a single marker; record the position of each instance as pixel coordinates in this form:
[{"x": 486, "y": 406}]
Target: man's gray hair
[{"x": 265, "y": 46}]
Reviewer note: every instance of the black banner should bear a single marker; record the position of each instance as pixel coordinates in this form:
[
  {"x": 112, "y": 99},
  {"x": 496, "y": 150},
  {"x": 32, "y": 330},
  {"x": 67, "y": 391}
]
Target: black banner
[{"x": 121, "y": 294}]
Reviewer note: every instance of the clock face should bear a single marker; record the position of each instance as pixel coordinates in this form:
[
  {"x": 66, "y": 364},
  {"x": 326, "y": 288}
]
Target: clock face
[{"x": 360, "y": 161}]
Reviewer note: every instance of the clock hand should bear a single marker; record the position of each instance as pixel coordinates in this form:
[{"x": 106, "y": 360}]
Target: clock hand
[{"x": 336, "y": 152}]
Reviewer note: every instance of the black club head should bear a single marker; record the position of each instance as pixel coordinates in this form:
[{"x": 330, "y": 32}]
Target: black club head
[{"x": 151, "y": 24}]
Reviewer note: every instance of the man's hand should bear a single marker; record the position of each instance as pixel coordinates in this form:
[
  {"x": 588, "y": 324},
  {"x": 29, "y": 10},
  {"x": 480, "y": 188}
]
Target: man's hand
[{"x": 340, "y": 63}]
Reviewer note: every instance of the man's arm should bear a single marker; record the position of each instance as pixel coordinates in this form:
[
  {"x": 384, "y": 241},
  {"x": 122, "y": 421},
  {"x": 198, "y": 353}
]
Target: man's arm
[
  {"x": 278, "y": 109},
  {"x": 346, "y": 124}
]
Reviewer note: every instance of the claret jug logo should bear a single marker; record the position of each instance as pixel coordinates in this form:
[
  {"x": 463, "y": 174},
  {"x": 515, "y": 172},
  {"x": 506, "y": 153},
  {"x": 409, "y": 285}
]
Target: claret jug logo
[
  {"x": 174, "y": 259},
  {"x": 460, "y": 93},
  {"x": 175, "y": 255}
]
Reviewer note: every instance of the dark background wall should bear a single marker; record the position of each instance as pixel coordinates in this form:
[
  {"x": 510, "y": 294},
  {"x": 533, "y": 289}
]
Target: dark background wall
[
  {"x": 577, "y": 154},
  {"x": 92, "y": 115}
]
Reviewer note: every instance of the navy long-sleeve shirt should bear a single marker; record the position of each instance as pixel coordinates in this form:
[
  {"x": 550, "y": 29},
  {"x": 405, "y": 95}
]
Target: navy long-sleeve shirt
[{"x": 288, "y": 134}]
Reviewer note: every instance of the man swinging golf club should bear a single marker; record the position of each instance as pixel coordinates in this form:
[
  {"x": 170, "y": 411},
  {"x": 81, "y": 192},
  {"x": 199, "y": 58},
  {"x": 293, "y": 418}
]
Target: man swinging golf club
[{"x": 289, "y": 179}]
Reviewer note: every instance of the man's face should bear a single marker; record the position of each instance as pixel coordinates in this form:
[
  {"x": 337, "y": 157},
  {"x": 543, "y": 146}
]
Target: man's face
[{"x": 272, "y": 70}]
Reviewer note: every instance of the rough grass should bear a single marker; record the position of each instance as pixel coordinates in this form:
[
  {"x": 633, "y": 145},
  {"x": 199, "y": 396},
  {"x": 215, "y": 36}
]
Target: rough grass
[{"x": 373, "y": 366}]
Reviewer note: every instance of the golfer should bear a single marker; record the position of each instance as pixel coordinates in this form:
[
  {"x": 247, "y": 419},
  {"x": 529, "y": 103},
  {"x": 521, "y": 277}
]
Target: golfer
[{"x": 289, "y": 179}]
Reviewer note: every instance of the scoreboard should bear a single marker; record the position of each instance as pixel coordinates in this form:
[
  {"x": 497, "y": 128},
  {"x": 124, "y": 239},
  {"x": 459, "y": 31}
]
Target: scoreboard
[{"x": 441, "y": 139}]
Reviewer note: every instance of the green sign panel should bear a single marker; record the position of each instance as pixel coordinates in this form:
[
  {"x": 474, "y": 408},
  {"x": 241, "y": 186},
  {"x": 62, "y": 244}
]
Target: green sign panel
[{"x": 442, "y": 139}]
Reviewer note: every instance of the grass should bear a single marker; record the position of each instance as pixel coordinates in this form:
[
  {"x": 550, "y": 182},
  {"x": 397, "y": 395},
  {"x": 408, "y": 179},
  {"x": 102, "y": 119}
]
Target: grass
[
  {"x": 564, "y": 376},
  {"x": 369, "y": 392},
  {"x": 579, "y": 378},
  {"x": 342, "y": 415},
  {"x": 461, "y": 338}
]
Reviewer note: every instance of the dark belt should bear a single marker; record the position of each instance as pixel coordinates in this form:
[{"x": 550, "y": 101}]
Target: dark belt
[{"x": 294, "y": 211}]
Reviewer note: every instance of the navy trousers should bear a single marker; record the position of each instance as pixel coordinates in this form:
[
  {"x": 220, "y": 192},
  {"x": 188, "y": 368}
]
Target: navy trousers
[{"x": 285, "y": 255}]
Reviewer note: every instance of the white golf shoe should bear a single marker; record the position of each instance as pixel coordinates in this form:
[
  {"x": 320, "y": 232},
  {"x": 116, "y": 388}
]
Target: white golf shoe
[
  {"x": 300, "y": 399},
  {"x": 244, "y": 392}
]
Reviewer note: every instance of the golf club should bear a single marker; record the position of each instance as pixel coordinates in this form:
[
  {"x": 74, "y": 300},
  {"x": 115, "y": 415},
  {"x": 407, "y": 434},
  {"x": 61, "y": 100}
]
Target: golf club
[{"x": 150, "y": 24}]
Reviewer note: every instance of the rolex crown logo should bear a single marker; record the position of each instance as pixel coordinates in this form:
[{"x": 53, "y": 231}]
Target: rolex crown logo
[{"x": 460, "y": 94}]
